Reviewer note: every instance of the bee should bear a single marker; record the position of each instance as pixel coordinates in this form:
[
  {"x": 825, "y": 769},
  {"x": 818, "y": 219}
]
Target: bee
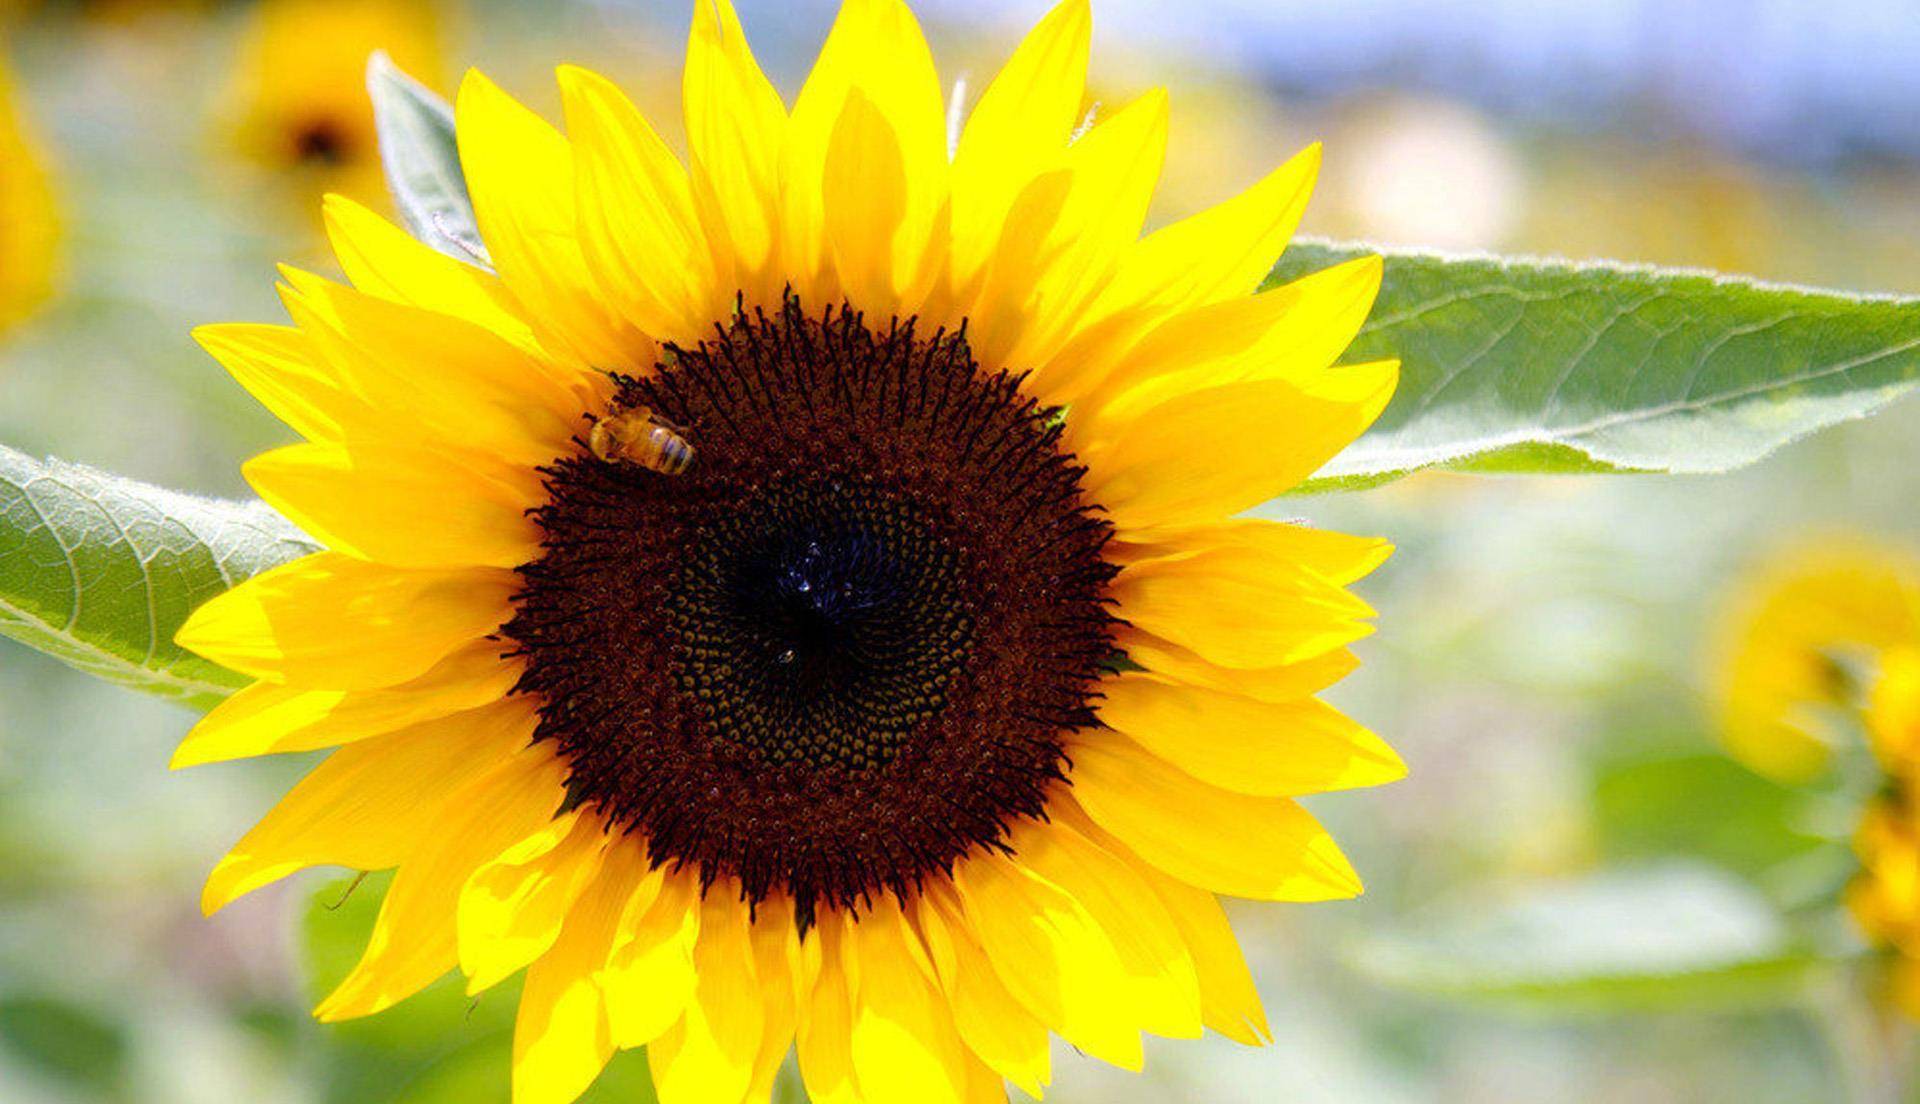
[{"x": 638, "y": 437}]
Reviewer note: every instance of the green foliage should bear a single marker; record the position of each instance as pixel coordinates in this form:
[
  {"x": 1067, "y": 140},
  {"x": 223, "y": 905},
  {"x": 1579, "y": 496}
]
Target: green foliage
[
  {"x": 100, "y": 571},
  {"x": 1513, "y": 365},
  {"x": 438, "y": 1047},
  {"x": 64, "y": 1042},
  {"x": 422, "y": 160},
  {"x": 1701, "y": 804},
  {"x": 1674, "y": 936}
]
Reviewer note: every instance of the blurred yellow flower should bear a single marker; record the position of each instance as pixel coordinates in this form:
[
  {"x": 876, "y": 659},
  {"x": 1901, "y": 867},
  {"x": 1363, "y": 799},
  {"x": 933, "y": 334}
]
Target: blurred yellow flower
[
  {"x": 718, "y": 623},
  {"x": 29, "y": 219},
  {"x": 1779, "y": 674},
  {"x": 298, "y": 101},
  {"x": 1885, "y": 897},
  {"x": 1827, "y": 638}
]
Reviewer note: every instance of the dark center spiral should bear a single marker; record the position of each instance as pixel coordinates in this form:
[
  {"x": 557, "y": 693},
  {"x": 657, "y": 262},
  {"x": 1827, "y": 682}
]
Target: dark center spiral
[
  {"x": 821, "y": 622},
  {"x": 321, "y": 142},
  {"x": 839, "y": 651}
]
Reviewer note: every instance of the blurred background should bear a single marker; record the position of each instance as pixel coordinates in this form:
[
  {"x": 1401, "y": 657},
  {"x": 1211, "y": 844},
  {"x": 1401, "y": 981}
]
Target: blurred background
[{"x": 1544, "y": 642}]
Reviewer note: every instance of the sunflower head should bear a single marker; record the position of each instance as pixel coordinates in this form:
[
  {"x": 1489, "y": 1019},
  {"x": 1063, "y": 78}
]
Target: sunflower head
[
  {"x": 797, "y": 595},
  {"x": 1803, "y": 632},
  {"x": 299, "y": 86},
  {"x": 29, "y": 223},
  {"x": 1826, "y": 644}
]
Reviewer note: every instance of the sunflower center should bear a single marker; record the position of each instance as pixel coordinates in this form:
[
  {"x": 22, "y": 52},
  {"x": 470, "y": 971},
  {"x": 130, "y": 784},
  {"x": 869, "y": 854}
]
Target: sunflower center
[
  {"x": 320, "y": 142},
  {"x": 820, "y": 623},
  {"x": 838, "y": 649}
]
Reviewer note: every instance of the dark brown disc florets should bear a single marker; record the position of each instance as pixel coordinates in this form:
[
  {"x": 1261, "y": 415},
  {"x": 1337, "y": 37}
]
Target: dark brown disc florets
[{"x": 840, "y": 649}]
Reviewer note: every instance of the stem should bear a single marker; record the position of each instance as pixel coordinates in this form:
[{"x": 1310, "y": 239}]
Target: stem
[{"x": 787, "y": 1086}]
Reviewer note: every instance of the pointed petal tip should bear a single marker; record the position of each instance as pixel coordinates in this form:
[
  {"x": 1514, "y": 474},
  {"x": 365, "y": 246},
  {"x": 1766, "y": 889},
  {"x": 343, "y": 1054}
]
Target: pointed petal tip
[
  {"x": 347, "y": 1002},
  {"x": 477, "y": 91},
  {"x": 475, "y": 80},
  {"x": 210, "y": 334},
  {"x": 219, "y": 891},
  {"x": 1076, "y": 12},
  {"x": 1344, "y": 881},
  {"x": 1396, "y": 770},
  {"x": 192, "y": 633},
  {"x": 190, "y": 753}
]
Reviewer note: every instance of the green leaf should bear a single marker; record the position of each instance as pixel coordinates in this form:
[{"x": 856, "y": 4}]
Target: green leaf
[
  {"x": 64, "y": 1041},
  {"x": 1647, "y": 807},
  {"x": 422, "y": 160},
  {"x": 1681, "y": 935},
  {"x": 1539, "y": 366},
  {"x": 100, "y": 571}
]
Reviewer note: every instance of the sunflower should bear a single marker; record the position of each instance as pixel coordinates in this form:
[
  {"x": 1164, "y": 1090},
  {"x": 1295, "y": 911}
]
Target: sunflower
[
  {"x": 29, "y": 229},
  {"x": 1827, "y": 640},
  {"x": 299, "y": 85},
  {"x": 797, "y": 597},
  {"x": 1784, "y": 651}
]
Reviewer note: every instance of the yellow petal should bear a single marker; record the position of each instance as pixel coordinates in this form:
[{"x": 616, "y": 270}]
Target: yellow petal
[
  {"x": 1025, "y": 247},
  {"x": 709, "y": 1055},
  {"x": 1275, "y": 684},
  {"x": 561, "y": 1039},
  {"x": 1270, "y": 749},
  {"x": 649, "y": 976},
  {"x": 414, "y": 940},
  {"x": 1017, "y": 130},
  {"x": 1229, "y": 1004},
  {"x": 1292, "y": 332},
  {"x": 865, "y": 205},
  {"x": 1238, "y": 607},
  {"x": 520, "y": 172},
  {"x": 903, "y": 1044},
  {"x": 1051, "y": 954},
  {"x": 433, "y": 377},
  {"x": 1027, "y": 315},
  {"x": 1893, "y": 711},
  {"x": 1339, "y": 558},
  {"x": 736, "y": 128},
  {"x": 279, "y": 366},
  {"x": 333, "y": 622},
  {"x": 991, "y": 1022},
  {"x": 1211, "y": 454},
  {"x": 825, "y": 1029},
  {"x": 776, "y": 964},
  {"x": 983, "y": 1084},
  {"x": 382, "y": 259},
  {"x": 512, "y": 909},
  {"x": 1156, "y": 989},
  {"x": 368, "y": 806},
  {"x": 1222, "y": 252},
  {"x": 405, "y": 505},
  {"x": 639, "y": 230},
  {"x": 269, "y": 718},
  {"x": 30, "y": 268},
  {"x": 1262, "y": 847},
  {"x": 877, "y": 47}
]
